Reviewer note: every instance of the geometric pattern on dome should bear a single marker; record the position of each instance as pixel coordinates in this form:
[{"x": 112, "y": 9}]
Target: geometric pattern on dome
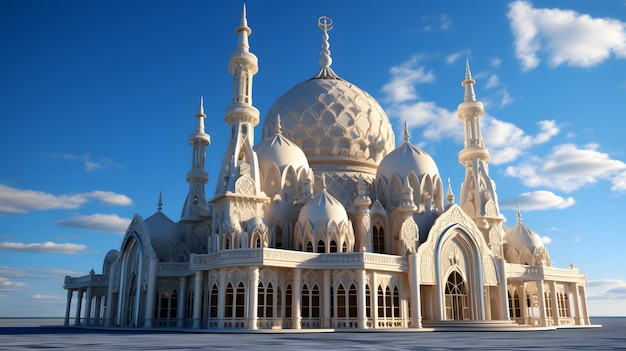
[{"x": 331, "y": 119}]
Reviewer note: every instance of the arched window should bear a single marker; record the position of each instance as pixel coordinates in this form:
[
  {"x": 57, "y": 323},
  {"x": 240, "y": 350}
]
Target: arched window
[
  {"x": 265, "y": 301},
  {"x": 333, "y": 246},
  {"x": 279, "y": 237},
  {"x": 344, "y": 247},
  {"x": 378, "y": 238},
  {"x": 309, "y": 246},
  {"x": 321, "y": 247},
  {"x": 352, "y": 302},
  {"x": 341, "y": 302},
  {"x": 240, "y": 301},
  {"x": 288, "y": 301},
  {"x": 310, "y": 302},
  {"x": 230, "y": 298},
  {"x": 257, "y": 243},
  {"x": 368, "y": 301},
  {"x": 213, "y": 301},
  {"x": 457, "y": 301}
]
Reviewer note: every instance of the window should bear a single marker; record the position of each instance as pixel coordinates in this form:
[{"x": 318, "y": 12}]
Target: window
[
  {"x": 333, "y": 246},
  {"x": 309, "y": 246},
  {"x": 265, "y": 301},
  {"x": 378, "y": 238},
  {"x": 213, "y": 301},
  {"x": 321, "y": 247},
  {"x": 456, "y": 299},
  {"x": 352, "y": 302}
]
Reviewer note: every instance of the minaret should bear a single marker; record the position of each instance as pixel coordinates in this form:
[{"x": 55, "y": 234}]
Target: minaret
[
  {"x": 241, "y": 116},
  {"x": 478, "y": 196},
  {"x": 238, "y": 196},
  {"x": 195, "y": 203}
]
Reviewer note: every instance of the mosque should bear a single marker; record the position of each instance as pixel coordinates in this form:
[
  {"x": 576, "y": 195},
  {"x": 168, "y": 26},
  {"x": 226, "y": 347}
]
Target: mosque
[{"x": 327, "y": 225}]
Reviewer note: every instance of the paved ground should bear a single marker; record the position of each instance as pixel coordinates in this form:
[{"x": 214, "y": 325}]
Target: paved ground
[{"x": 612, "y": 336}]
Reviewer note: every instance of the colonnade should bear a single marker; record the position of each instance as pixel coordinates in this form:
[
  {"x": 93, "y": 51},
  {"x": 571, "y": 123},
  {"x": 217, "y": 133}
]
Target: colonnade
[{"x": 93, "y": 309}]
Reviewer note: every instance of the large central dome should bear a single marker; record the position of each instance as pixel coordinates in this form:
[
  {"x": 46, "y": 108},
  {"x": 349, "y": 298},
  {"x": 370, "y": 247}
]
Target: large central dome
[{"x": 342, "y": 130}]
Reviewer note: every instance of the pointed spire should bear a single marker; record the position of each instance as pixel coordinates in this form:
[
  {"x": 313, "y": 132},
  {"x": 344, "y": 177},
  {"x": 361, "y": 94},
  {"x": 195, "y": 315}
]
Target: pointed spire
[
  {"x": 201, "y": 116},
  {"x": 243, "y": 31},
  {"x": 518, "y": 215},
  {"x": 450, "y": 194},
  {"x": 278, "y": 129},
  {"x": 406, "y": 132},
  {"x": 323, "y": 181},
  {"x": 160, "y": 203},
  {"x": 468, "y": 83}
]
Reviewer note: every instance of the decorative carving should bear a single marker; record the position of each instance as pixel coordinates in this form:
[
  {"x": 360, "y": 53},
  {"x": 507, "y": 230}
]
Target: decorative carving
[{"x": 244, "y": 185}]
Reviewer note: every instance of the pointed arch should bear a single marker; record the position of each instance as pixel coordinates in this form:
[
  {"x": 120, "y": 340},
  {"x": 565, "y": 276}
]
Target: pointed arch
[
  {"x": 289, "y": 184},
  {"x": 394, "y": 195},
  {"x": 271, "y": 181}
]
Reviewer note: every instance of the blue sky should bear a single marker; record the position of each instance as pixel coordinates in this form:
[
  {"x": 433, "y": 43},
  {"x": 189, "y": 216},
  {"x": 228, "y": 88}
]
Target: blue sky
[{"x": 98, "y": 99}]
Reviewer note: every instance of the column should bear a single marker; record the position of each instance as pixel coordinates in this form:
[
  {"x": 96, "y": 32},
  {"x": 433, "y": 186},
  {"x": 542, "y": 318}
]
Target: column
[
  {"x": 221, "y": 298},
  {"x": 374, "y": 292},
  {"x": 577, "y": 319},
  {"x": 79, "y": 305},
  {"x": 583, "y": 300},
  {"x": 253, "y": 297},
  {"x": 182, "y": 302},
  {"x": 97, "y": 308},
  {"x": 297, "y": 298},
  {"x": 542, "y": 302},
  {"x": 361, "y": 280},
  {"x": 504, "y": 296},
  {"x": 88, "y": 298},
  {"x": 70, "y": 293},
  {"x": 151, "y": 292},
  {"x": 523, "y": 302},
  {"x": 555, "y": 303},
  {"x": 197, "y": 299},
  {"x": 326, "y": 282},
  {"x": 414, "y": 287}
]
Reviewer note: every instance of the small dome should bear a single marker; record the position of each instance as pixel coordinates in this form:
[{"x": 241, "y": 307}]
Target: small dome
[
  {"x": 406, "y": 158},
  {"x": 523, "y": 240},
  {"x": 280, "y": 151},
  {"x": 323, "y": 207}
]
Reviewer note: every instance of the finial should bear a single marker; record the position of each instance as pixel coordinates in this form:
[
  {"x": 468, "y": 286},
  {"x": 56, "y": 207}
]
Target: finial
[
  {"x": 450, "y": 195},
  {"x": 201, "y": 111},
  {"x": 244, "y": 20},
  {"x": 323, "y": 181},
  {"x": 468, "y": 83},
  {"x": 243, "y": 31},
  {"x": 160, "y": 203},
  {"x": 325, "y": 23},
  {"x": 201, "y": 116},
  {"x": 518, "y": 215},
  {"x": 278, "y": 128},
  {"x": 406, "y": 132}
]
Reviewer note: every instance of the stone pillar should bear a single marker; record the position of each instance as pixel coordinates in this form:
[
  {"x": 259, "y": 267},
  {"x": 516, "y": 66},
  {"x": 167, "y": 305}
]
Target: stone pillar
[
  {"x": 542, "y": 302},
  {"x": 68, "y": 305},
  {"x": 555, "y": 303},
  {"x": 221, "y": 298},
  {"x": 151, "y": 292},
  {"x": 98, "y": 307},
  {"x": 414, "y": 287},
  {"x": 583, "y": 300},
  {"x": 523, "y": 302},
  {"x": 361, "y": 280},
  {"x": 182, "y": 302},
  {"x": 79, "y": 305},
  {"x": 374, "y": 291},
  {"x": 88, "y": 298},
  {"x": 576, "y": 297},
  {"x": 504, "y": 296},
  {"x": 253, "y": 297},
  {"x": 197, "y": 299},
  {"x": 297, "y": 298},
  {"x": 326, "y": 282}
]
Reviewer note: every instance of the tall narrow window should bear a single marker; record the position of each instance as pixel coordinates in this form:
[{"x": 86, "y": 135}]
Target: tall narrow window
[
  {"x": 456, "y": 299},
  {"x": 240, "y": 301},
  {"x": 213, "y": 302},
  {"x": 230, "y": 298},
  {"x": 378, "y": 237},
  {"x": 352, "y": 302},
  {"x": 288, "y": 301},
  {"x": 333, "y": 246},
  {"x": 341, "y": 302},
  {"x": 321, "y": 247}
]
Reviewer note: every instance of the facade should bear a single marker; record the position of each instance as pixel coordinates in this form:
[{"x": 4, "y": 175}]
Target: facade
[{"x": 325, "y": 224}]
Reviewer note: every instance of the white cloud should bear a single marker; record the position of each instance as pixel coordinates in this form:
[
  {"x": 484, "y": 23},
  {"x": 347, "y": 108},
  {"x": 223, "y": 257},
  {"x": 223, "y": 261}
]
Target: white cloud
[
  {"x": 564, "y": 36},
  {"x": 7, "y": 285},
  {"x": 496, "y": 62},
  {"x": 568, "y": 168},
  {"x": 507, "y": 142},
  {"x": 437, "y": 122},
  {"x": 442, "y": 22},
  {"x": 90, "y": 164},
  {"x": 97, "y": 222},
  {"x": 492, "y": 82},
  {"x": 606, "y": 289},
  {"x": 15, "y": 200},
  {"x": 45, "y": 247},
  {"x": 404, "y": 78},
  {"x": 538, "y": 200},
  {"x": 452, "y": 58},
  {"x": 45, "y": 297},
  {"x": 546, "y": 240},
  {"x": 36, "y": 273}
]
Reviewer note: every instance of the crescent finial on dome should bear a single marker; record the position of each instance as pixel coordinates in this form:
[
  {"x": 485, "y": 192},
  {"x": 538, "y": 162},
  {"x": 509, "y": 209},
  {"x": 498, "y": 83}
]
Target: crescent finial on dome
[
  {"x": 323, "y": 181},
  {"x": 406, "y": 132},
  {"x": 518, "y": 215},
  {"x": 325, "y": 23},
  {"x": 279, "y": 128}
]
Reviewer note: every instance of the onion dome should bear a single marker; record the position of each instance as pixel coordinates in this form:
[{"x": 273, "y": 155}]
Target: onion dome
[
  {"x": 340, "y": 128},
  {"x": 280, "y": 151},
  {"x": 323, "y": 207},
  {"x": 405, "y": 159},
  {"x": 524, "y": 246}
]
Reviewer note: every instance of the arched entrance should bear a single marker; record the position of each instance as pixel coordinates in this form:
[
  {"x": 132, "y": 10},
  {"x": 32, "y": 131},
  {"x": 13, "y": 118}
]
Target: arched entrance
[{"x": 456, "y": 298}]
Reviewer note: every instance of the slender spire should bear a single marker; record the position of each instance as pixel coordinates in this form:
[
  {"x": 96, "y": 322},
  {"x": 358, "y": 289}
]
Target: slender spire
[
  {"x": 325, "y": 23},
  {"x": 468, "y": 83},
  {"x": 160, "y": 203},
  {"x": 279, "y": 128},
  {"x": 450, "y": 194},
  {"x": 243, "y": 31},
  {"x": 201, "y": 116},
  {"x": 323, "y": 181},
  {"x": 518, "y": 214},
  {"x": 406, "y": 132}
]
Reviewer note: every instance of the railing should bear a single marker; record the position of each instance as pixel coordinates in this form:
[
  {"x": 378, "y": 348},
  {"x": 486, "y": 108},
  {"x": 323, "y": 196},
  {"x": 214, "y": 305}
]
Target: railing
[
  {"x": 345, "y": 323},
  {"x": 389, "y": 323},
  {"x": 100, "y": 280},
  {"x": 310, "y": 323},
  {"x": 269, "y": 323},
  {"x": 236, "y": 323}
]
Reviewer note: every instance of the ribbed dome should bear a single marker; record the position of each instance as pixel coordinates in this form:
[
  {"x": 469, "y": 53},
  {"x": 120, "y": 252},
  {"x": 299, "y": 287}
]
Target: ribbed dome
[
  {"x": 280, "y": 151},
  {"x": 323, "y": 207},
  {"x": 520, "y": 238},
  {"x": 404, "y": 159},
  {"x": 333, "y": 120}
]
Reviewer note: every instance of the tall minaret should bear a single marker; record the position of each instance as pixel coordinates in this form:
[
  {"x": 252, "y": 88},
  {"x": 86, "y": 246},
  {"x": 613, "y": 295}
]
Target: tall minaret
[
  {"x": 241, "y": 116},
  {"x": 478, "y": 192},
  {"x": 238, "y": 197},
  {"x": 195, "y": 203}
]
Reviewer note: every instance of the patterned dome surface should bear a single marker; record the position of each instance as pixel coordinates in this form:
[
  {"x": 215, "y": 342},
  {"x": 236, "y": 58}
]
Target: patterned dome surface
[
  {"x": 278, "y": 150},
  {"x": 333, "y": 120}
]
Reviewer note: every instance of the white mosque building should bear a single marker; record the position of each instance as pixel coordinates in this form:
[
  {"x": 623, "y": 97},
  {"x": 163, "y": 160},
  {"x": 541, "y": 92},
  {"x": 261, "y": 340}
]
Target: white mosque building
[{"x": 327, "y": 225}]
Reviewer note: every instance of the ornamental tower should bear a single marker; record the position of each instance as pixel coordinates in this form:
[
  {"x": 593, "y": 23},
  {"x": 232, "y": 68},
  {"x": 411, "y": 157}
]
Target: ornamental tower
[
  {"x": 195, "y": 203},
  {"x": 478, "y": 192}
]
